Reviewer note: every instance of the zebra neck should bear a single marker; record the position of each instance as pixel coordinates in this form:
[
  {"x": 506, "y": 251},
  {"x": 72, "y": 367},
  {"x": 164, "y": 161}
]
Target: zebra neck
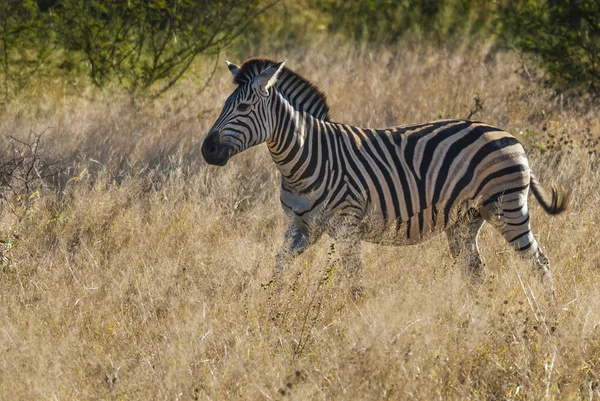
[{"x": 292, "y": 144}]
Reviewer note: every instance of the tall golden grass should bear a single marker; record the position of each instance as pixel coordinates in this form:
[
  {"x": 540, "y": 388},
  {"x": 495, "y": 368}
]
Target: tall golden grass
[{"x": 137, "y": 271}]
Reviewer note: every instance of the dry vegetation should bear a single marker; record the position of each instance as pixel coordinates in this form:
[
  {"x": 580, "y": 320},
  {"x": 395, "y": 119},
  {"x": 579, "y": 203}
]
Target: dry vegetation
[{"x": 134, "y": 270}]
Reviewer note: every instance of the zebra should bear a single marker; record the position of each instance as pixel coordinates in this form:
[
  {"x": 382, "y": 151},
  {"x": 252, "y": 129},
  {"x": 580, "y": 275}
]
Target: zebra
[{"x": 393, "y": 186}]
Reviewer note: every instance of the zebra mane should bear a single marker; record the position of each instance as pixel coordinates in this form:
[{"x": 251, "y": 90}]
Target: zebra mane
[{"x": 300, "y": 92}]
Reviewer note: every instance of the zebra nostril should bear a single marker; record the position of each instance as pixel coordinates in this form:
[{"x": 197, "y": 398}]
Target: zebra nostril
[{"x": 212, "y": 149}]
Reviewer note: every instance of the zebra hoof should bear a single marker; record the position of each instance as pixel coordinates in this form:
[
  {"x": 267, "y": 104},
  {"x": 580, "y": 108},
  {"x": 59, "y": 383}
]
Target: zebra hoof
[
  {"x": 477, "y": 276},
  {"x": 548, "y": 282},
  {"x": 357, "y": 292}
]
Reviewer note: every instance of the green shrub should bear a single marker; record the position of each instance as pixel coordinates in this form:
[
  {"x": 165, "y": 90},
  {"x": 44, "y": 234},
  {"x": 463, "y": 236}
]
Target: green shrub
[
  {"x": 387, "y": 21},
  {"x": 145, "y": 46},
  {"x": 25, "y": 45},
  {"x": 565, "y": 34},
  {"x": 141, "y": 43}
]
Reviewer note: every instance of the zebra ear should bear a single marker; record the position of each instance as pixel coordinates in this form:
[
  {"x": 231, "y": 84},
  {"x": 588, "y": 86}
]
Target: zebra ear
[
  {"x": 233, "y": 68},
  {"x": 269, "y": 77}
]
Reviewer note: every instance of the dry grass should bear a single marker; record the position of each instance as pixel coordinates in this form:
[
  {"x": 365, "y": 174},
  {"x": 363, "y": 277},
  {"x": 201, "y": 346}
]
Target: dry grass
[{"x": 141, "y": 277}]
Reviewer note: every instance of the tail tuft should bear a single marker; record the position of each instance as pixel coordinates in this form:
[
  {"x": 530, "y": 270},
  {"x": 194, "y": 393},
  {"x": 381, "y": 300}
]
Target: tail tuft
[{"x": 555, "y": 203}]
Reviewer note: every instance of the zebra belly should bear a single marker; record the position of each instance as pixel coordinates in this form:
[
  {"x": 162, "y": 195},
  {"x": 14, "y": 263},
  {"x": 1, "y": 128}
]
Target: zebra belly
[
  {"x": 418, "y": 228},
  {"x": 373, "y": 226}
]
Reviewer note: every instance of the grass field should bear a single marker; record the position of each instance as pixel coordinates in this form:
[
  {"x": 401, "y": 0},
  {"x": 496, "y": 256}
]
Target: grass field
[{"x": 135, "y": 271}]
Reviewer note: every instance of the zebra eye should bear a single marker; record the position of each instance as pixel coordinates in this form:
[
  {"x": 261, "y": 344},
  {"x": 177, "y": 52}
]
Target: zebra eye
[{"x": 243, "y": 106}]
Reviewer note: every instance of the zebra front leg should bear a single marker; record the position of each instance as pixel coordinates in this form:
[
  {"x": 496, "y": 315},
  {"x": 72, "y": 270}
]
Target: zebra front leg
[{"x": 295, "y": 241}]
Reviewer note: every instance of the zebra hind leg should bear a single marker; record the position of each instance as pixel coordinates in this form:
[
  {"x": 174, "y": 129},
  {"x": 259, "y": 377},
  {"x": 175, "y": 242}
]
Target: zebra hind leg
[
  {"x": 515, "y": 227},
  {"x": 462, "y": 240},
  {"x": 516, "y": 230}
]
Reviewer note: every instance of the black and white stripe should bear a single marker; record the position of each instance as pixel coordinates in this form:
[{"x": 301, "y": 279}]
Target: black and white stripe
[{"x": 394, "y": 186}]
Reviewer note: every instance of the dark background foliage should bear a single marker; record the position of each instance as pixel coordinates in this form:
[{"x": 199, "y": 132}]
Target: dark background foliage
[{"x": 147, "y": 46}]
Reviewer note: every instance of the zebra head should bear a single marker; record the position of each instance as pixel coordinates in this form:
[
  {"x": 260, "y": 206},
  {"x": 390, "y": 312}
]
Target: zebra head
[{"x": 242, "y": 123}]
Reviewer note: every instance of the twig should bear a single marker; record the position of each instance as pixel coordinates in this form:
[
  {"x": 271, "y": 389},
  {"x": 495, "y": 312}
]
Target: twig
[
  {"x": 521, "y": 60},
  {"x": 477, "y": 107}
]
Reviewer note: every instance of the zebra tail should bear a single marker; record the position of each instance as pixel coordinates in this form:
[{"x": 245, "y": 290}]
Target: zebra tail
[{"x": 554, "y": 203}]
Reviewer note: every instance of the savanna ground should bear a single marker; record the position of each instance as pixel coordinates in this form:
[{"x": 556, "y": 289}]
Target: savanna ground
[{"x": 136, "y": 271}]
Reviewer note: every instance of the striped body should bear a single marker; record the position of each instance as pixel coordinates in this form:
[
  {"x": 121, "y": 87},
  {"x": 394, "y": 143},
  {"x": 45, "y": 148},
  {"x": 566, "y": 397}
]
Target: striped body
[
  {"x": 392, "y": 186},
  {"x": 404, "y": 183}
]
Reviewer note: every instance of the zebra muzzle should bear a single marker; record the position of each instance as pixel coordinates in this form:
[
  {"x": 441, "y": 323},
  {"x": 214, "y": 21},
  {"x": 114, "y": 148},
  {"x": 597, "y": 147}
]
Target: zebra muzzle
[{"x": 213, "y": 151}]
